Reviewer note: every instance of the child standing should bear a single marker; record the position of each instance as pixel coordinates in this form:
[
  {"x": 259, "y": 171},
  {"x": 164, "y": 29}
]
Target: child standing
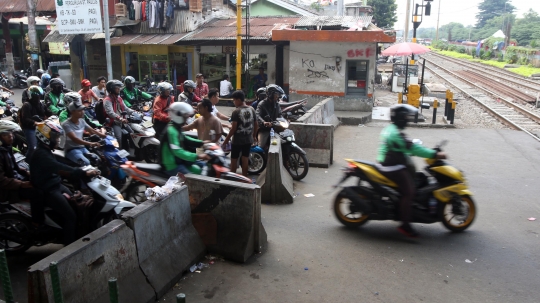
[{"x": 244, "y": 131}]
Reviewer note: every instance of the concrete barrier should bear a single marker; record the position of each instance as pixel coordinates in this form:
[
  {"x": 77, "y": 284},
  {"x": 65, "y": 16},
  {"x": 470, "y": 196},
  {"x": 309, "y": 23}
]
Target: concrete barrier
[
  {"x": 317, "y": 140},
  {"x": 237, "y": 210},
  {"x": 276, "y": 183},
  {"x": 86, "y": 265},
  {"x": 167, "y": 243},
  {"x": 321, "y": 113}
]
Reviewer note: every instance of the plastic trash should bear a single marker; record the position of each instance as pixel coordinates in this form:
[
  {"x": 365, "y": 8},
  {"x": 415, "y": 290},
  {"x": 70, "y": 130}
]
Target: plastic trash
[
  {"x": 309, "y": 195},
  {"x": 469, "y": 261},
  {"x": 157, "y": 193},
  {"x": 305, "y": 268},
  {"x": 532, "y": 219},
  {"x": 193, "y": 268}
]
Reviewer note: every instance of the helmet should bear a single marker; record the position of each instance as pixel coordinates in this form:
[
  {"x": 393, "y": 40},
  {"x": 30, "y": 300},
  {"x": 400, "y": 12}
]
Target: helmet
[
  {"x": 112, "y": 85},
  {"x": 189, "y": 83},
  {"x": 35, "y": 90},
  {"x": 400, "y": 114},
  {"x": 32, "y": 79},
  {"x": 40, "y": 71},
  {"x": 178, "y": 112},
  {"x": 129, "y": 79},
  {"x": 48, "y": 133},
  {"x": 261, "y": 93},
  {"x": 45, "y": 77},
  {"x": 85, "y": 83},
  {"x": 72, "y": 97},
  {"x": 56, "y": 82},
  {"x": 8, "y": 126},
  {"x": 273, "y": 89},
  {"x": 163, "y": 86}
]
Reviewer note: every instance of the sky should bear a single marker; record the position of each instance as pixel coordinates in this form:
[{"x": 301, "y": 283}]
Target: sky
[{"x": 462, "y": 11}]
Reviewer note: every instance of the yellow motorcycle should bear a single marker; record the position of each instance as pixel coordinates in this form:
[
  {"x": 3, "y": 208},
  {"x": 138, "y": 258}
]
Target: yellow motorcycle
[{"x": 442, "y": 195}]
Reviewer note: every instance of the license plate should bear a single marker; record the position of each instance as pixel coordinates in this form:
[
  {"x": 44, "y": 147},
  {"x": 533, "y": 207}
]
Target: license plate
[
  {"x": 123, "y": 153},
  {"x": 147, "y": 124}
]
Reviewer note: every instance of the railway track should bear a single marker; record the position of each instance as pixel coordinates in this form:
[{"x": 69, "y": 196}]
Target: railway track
[
  {"x": 499, "y": 86},
  {"x": 513, "y": 115},
  {"x": 531, "y": 87}
]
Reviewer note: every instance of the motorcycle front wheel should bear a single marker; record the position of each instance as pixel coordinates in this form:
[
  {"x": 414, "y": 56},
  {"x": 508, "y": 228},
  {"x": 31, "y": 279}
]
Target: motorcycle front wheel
[
  {"x": 458, "y": 215},
  {"x": 13, "y": 223},
  {"x": 296, "y": 164},
  {"x": 135, "y": 192},
  {"x": 347, "y": 213},
  {"x": 257, "y": 163},
  {"x": 150, "y": 153}
]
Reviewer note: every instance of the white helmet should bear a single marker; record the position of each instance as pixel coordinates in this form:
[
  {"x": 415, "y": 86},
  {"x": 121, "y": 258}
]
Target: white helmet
[
  {"x": 7, "y": 126},
  {"x": 32, "y": 79},
  {"x": 179, "y": 112},
  {"x": 163, "y": 86}
]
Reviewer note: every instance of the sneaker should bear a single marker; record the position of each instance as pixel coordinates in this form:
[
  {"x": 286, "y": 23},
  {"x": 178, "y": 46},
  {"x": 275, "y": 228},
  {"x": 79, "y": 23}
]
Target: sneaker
[{"x": 408, "y": 231}]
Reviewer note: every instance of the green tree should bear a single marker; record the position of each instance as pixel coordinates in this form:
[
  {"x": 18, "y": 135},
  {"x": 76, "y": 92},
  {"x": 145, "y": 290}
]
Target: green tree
[
  {"x": 526, "y": 27},
  {"x": 384, "y": 12},
  {"x": 492, "y": 8},
  {"x": 492, "y": 26}
]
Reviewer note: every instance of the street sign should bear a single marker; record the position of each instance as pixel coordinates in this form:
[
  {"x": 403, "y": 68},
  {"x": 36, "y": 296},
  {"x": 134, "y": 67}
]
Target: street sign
[
  {"x": 228, "y": 49},
  {"x": 78, "y": 16}
]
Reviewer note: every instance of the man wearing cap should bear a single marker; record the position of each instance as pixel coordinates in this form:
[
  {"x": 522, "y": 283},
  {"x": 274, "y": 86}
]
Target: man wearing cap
[
  {"x": 86, "y": 93},
  {"x": 74, "y": 127}
]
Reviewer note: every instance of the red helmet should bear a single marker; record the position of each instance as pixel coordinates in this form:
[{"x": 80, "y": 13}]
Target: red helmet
[{"x": 85, "y": 83}]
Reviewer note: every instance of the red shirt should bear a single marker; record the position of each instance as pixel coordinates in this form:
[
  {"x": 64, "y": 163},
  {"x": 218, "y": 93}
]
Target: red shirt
[
  {"x": 160, "y": 105},
  {"x": 88, "y": 95},
  {"x": 201, "y": 90}
]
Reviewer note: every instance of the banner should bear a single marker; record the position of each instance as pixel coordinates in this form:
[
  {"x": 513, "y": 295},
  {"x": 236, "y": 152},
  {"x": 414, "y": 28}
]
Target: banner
[
  {"x": 78, "y": 16},
  {"x": 59, "y": 48}
]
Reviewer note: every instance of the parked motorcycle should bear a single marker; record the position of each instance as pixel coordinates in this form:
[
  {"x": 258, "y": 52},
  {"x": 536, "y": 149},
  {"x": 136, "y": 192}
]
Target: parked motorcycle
[
  {"x": 292, "y": 111},
  {"x": 18, "y": 234},
  {"x": 20, "y": 79},
  {"x": 442, "y": 195},
  {"x": 4, "y": 81},
  {"x": 149, "y": 175},
  {"x": 139, "y": 136},
  {"x": 294, "y": 157}
]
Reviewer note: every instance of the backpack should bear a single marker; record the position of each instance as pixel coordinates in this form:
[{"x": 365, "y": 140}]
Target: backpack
[{"x": 100, "y": 112}]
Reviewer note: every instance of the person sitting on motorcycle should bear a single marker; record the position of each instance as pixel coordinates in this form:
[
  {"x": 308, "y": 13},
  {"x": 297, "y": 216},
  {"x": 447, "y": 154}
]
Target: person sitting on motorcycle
[
  {"x": 208, "y": 127},
  {"x": 394, "y": 157},
  {"x": 54, "y": 100},
  {"x": 261, "y": 95},
  {"x": 174, "y": 158},
  {"x": 45, "y": 78},
  {"x": 188, "y": 94},
  {"x": 114, "y": 107},
  {"x": 75, "y": 147},
  {"x": 161, "y": 105},
  {"x": 86, "y": 93},
  {"x": 31, "y": 81},
  {"x": 130, "y": 94},
  {"x": 47, "y": 174},
  {"x": 32, "y": 108},
  {"x": 268, "y": 108}
]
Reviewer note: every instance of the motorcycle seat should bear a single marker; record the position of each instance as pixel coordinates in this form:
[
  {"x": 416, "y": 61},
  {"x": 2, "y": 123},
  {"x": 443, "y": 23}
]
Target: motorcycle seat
[
  {"x": 154, "y": 169},
  {"x": 286, "y": 104},
  {"x": 366, "y": 162}
]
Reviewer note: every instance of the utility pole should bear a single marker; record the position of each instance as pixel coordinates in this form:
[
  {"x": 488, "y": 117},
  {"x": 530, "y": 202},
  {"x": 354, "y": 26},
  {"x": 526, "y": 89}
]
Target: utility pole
[
  {"x": 108, "y": 40},
  {"x": 407, "y": 14},
  {"x": 438, "y": 16},
  {"x": 8, "y": 48},
  {"x": 239, "y": 44},
  {"x": 33, "y": 46}
]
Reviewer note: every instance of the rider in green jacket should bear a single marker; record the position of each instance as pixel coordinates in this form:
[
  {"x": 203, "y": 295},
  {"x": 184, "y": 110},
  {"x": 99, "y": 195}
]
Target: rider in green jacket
[
  {"x": 131, "y": 94},
  {"x": 54, "y": 100}
]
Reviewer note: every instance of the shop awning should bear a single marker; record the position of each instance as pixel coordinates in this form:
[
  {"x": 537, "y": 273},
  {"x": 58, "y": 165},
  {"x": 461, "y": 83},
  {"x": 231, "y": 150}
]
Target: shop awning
[
  {"x": 55, "y": 36},
  {"x": 163, "y": 39},
  {"x": 14, "y": 6}
]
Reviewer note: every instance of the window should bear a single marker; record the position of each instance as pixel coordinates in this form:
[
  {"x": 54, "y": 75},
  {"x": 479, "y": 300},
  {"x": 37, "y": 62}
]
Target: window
[
  {"x": 357, "y": 77},
  {"x": 154, "y": 66}
]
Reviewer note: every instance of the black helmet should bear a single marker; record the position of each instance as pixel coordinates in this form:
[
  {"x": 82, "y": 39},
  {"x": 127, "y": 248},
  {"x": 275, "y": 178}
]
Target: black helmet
[
  {"x": 189, "y": 83},
  {"x": 261, "y": 93},
  {"x": 400, "y": 114},
  {"x": 273, "y": 89},
  {"x": 57, "y": 82},
  {"x": 112, "y": 85}
]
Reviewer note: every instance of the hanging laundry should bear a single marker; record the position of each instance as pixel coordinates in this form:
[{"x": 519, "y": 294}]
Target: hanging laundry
[
  {"x": 143, "y": 10},
  {"x": 137, "y": 8},
  {"x": 165, "y": 5},
  {"x": 158, "y": 15},
  {"x": 152, "y": 14},
  {"x": 170, "y": 9},
  {"x": 131, "y": 11}
]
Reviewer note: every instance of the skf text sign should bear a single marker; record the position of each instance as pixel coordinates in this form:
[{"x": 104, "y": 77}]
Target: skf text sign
[{"x": 78, "y": 16}]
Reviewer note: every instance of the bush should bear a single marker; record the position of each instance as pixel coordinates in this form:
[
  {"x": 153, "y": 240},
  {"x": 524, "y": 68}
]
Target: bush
[
  {"x": 487, "y": 55},
  {"x": 523, "y": 61},
  {"x": 500, "y": 57},
  {"x": 461, "y": 49},
  {"x": 512, "y": 58}
]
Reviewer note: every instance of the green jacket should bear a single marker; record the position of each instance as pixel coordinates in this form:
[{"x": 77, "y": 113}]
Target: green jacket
[
  {"x": 131, "y": 96},
  {"x": 172, "y": 153},
  {"x": 55, "y": 103},
  {"x": 396, "y": 147}
]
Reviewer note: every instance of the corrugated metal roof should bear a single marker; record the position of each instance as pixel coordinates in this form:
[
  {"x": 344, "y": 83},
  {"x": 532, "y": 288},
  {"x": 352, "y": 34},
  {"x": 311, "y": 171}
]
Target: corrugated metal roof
[
  {"x": 184, "y": 21},
  {"x": 335, "y": 21},
  {"x": 14, "y": 6},
  {"x": 260, "y": 28},
  {"x": 55, "y": 36},
  {"x": 164, "y": 39}
]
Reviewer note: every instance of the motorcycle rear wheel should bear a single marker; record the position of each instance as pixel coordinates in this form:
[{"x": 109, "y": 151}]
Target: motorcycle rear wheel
[
  {"x": 342, "y": 211},
  {"x": 15, "y": 223},
  {"x": 464, "y": 220},
  {"x": 297, "y": 165},
  {"x": 257, "y": 163},
  {"x": 135, "y": 192}
]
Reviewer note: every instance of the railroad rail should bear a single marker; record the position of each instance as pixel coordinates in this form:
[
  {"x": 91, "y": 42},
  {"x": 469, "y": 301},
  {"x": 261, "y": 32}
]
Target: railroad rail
[
  {"x": 509, "y": 113},
  {"x": 498, "y": 73}
]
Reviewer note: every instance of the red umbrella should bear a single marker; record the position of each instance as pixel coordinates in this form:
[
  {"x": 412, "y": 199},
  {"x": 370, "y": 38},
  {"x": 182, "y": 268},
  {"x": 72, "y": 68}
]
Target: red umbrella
[{"x": 405, "y": 49}]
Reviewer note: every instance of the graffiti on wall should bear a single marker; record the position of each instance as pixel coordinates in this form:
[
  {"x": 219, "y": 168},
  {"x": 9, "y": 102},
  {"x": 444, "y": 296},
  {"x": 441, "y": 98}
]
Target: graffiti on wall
[{"x": 314, "y": 72}]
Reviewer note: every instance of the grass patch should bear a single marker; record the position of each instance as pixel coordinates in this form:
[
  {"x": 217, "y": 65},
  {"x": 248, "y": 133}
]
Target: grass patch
[{"x": 526, "y": 71}]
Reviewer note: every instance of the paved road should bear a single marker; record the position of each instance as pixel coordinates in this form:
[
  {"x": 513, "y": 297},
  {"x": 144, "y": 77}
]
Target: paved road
[{"x": 375, "y": 263}]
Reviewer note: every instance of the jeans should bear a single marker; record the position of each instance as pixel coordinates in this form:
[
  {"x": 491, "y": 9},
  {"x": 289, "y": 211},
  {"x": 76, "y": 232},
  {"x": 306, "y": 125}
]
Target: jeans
[
  {"x": 195, "y": 168},
  {"x": 77, "y": 155},
  {"x": 56, "y": 200},
  {"x": 117, "y": 129},
  {"x": 31, "y": 141}
]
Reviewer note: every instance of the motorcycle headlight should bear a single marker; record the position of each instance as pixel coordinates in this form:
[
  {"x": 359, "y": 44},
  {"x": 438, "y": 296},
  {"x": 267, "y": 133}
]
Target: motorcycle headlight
[{"x": 120, "y": 197}]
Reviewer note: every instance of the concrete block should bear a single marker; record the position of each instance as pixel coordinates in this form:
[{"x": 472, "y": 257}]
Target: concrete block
[
  {"x": 86, "y": 265},
  {"x": 317, "y": 140},
  {"x": 354, "y": 118},
  {"x": 236, "y": 208},
  {"x": 167, "y": 242},
  {"x": 275, "y": 181}
]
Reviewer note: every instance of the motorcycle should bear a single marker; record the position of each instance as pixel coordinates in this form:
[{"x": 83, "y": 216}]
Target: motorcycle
[
  {"x": 4, "y": 81},
  {"x": 294, "y": 157},
  {"x": 139, "y": 134},
  {"x": 18, "y": 234},
  {"x": 442, "y": 195},
  {"x": 149, "y": 175},
  {"x": 10, "y": 109},
  {"x": 20, "y": 79},
  {"x": 292, "y": 111}
]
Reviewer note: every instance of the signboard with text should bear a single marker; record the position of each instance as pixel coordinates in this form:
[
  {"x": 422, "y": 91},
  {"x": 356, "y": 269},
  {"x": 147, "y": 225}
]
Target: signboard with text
[
  {"x": 78, "y": 16},
  {"x": 227, "y": 49}
]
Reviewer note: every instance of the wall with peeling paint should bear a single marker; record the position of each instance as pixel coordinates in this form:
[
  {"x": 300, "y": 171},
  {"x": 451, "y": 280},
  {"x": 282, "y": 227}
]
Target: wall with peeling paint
[{"x": 314, "y": 72}]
